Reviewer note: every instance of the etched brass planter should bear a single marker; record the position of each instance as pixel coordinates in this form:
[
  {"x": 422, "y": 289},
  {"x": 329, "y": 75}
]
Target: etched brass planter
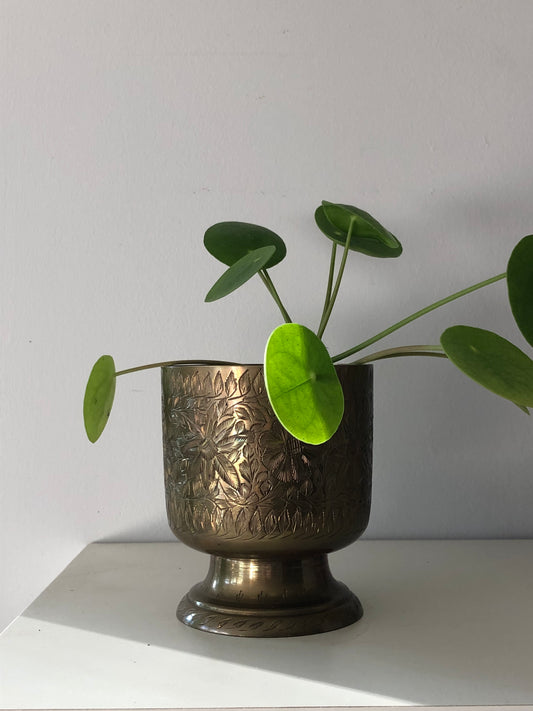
[{"x": 266, "y": 507}]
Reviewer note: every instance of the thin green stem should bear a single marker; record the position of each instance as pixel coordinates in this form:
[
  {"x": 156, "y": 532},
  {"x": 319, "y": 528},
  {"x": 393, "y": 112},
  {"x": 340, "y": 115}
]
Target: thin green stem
[
  {"x": 433, "y": 351},
  {"x": 267, "y": 281},
  {"x": 189, "y": 361},
  {"x": 330, "y": 283},
  {"x": 416, "y": 315},
  {"x": 331, "y": 303}
]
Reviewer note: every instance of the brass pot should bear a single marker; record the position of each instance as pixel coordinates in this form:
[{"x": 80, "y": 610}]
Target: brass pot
[{"x": 265, "y": 506}]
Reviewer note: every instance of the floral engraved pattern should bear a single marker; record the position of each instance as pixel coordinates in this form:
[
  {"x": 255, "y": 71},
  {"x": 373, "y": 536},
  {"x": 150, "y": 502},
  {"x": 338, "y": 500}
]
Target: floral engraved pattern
[{"x": 232, "y": 471}]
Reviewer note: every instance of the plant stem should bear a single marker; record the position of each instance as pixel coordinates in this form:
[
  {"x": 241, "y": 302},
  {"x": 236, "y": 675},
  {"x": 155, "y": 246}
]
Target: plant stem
[
  {"x": 434, "y": 351},
  {"x": 189, "y": 361},
  {"x": 330, "y": 283},
  {"x": 416, "y": 315},
  {"x": 331, "y": 303},
  {"x": 267, "y": 281}
]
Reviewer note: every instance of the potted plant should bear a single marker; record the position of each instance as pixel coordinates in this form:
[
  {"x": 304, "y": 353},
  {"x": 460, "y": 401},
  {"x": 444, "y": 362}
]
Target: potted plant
[{"x": 268, "y": 468}]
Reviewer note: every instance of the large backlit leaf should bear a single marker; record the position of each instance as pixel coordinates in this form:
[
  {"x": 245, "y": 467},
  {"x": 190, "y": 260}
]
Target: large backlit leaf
[
  {"x": 99, "y": 395},
  {"x": 368, "y": 236},
  {"x": 240, "y": 272},
  {"x": 302, "y": 384},
  {"x": 491, "y": 361},
  {"x": 520, "y": 286},
  {"x": 230, "y": 241}
]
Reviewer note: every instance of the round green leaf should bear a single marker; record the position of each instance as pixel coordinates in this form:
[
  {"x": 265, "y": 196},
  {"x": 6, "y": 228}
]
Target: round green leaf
[
  {"x": 491, "y": 361},
  {"x": 520, "y": 286},
  {"x": 368, "y": 236},
  {"x": 240, "y": 272},
  {"x": 230, "y": 241},
  {"x": 302, "y": 384},
  {"x": 99, "y": 395}
]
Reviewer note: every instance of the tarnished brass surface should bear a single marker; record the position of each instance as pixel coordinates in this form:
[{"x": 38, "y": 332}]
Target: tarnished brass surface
[
  {"x": 267, "y": 507},
  {"x": 257, "y": 597}
]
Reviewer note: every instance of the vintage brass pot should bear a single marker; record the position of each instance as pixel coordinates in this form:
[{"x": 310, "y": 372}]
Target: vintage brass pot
[{"x": 266, "y": 507}]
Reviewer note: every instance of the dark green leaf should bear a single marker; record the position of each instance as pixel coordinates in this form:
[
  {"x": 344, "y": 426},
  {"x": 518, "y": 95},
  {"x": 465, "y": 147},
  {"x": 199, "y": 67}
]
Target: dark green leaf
[
  {"x": 230, "y": 241},
  {"x": 302, "y": 384},
  {"x": 368, "y": 236},
  {"x": 520, "y": 286},
  {"x": 240, "y": 272},
  {"x": 99, "y": 395},
  {"x": 491, "y": 361}
]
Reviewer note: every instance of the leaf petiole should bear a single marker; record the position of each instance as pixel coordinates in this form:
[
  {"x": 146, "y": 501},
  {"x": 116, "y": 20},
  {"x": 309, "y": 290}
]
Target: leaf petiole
[
  {"x": 330, "y": 283},
  {"x": 331, "y": 303},
  {"x": 267, "y": 281},
  {"x": 416, "y": 315},
  {"x": 398, "y": 352},
  {"x": 189, "y": 361}
]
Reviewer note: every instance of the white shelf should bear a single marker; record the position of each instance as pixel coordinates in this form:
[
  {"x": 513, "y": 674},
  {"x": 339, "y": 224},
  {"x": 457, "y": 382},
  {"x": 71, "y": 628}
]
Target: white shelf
[{"x": 447, "y": 623}]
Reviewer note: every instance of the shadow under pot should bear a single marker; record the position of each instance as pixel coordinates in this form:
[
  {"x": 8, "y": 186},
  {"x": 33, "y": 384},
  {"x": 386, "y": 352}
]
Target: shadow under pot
[{"x": 266, "y": 507}]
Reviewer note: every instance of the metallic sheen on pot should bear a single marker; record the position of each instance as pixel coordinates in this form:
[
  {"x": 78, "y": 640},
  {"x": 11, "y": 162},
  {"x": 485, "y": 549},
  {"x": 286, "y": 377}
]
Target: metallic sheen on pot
[{"x": 266, "y": 507}]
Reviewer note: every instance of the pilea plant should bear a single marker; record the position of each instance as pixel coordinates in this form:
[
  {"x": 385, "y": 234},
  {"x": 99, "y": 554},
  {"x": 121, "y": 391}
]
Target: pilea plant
[{"x": 300, "y": 375}]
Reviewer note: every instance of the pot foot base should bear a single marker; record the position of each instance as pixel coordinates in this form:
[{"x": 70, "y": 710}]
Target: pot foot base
[{"x": 269, "y": 598}]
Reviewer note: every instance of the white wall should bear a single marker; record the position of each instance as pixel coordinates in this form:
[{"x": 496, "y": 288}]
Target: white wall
[{"x": 128, "y": 127}]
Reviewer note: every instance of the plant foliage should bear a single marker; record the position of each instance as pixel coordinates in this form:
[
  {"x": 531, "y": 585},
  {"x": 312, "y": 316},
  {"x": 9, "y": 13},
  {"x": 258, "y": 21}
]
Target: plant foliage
[{"x": 300, "y": 376}]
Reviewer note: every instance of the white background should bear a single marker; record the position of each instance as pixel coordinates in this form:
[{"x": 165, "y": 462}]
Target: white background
[{"x": 129, "y": 127}]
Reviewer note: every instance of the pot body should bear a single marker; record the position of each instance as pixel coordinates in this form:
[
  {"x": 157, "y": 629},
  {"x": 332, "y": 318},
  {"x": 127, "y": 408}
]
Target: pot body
[{"x": 267, "y": 507}]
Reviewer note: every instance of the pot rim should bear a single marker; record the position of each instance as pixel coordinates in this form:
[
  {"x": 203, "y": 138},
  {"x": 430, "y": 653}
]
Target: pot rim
[{"x": 225, "y": 363}]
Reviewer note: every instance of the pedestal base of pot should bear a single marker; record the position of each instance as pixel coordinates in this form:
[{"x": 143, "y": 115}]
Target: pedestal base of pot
[{"x": 259, "y": 597}]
